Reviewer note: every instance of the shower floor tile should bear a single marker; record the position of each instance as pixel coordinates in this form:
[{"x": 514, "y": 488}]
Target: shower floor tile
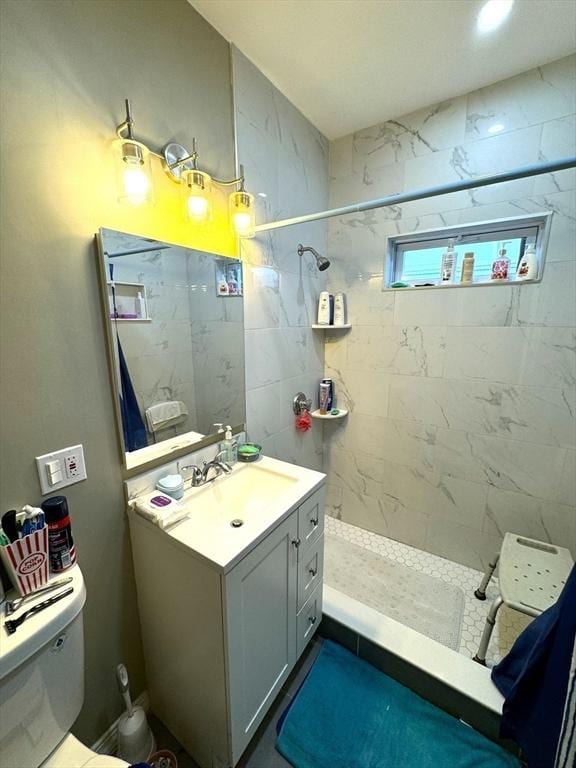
[{"x": 509, "y": 623}]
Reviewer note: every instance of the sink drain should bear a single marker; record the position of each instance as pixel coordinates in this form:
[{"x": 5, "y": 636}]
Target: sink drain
[{"x": 237, "y": 523}]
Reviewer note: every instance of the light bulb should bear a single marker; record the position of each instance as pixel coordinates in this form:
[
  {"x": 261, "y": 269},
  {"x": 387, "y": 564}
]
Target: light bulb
[
  {"x": 242, "y": 214},
  {"x": 134, "y": 174},
  {"x": 197, "y": 193},
  {"x": 136, "y": 185},
  {"x": 242, "y": 222}
]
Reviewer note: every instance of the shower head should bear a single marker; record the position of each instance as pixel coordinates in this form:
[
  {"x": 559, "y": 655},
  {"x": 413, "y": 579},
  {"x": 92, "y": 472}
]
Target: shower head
[{"x": 321, "y": 261}]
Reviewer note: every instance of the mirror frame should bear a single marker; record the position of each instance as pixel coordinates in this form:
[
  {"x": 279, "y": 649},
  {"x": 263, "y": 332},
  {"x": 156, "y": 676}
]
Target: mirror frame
[{"x": 174, "y": 447}]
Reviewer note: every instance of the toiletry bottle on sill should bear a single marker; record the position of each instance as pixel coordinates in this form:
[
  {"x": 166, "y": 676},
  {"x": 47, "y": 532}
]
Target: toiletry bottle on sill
[
  {"x": 448, "y": 267},
  {"x": 501, "y": 267},
  {"x": 467, "y": 267},
  {"x": 528, "y": 265}
]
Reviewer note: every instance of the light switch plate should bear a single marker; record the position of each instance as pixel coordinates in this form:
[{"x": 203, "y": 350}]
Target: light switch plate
[{"x": 72, "y": 468}]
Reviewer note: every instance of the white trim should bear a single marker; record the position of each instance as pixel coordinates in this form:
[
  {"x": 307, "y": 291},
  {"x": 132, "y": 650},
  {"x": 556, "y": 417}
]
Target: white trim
[{"x": 107, "y": 743}]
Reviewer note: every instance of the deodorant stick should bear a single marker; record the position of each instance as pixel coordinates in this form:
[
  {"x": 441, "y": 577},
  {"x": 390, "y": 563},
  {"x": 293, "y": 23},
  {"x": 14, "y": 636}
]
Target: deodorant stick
[{"x": 60, "y": 543}]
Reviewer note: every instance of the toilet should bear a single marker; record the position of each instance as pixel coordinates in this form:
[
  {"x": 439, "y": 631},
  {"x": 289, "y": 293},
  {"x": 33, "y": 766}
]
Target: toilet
[{"x": 42, "y": 687}]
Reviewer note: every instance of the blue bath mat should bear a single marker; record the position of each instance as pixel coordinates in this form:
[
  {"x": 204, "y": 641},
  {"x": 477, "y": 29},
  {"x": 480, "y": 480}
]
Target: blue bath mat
[{"x": 347, "y": 714}]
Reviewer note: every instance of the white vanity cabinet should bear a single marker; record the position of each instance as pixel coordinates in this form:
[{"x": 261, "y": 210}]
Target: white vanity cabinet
[{"x": 219, "y": 643}]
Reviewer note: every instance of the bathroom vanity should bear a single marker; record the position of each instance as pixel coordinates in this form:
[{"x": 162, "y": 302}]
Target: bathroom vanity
[{"x": 229, "y": 598}]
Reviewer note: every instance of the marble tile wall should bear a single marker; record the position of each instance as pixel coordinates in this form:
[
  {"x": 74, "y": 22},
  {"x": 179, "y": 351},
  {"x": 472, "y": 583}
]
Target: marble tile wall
[
  {"x": 463, "y": 402},
  {"x": 286, "y": 165},
  {"x": 158, "y": 353}
]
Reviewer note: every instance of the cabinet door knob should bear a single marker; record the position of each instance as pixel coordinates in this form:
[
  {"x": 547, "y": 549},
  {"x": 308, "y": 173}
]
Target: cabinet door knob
[
  {"x": 296, "y": 542},
  {"x": 313, "y": 522},
  {"x": 312, "y": 572},
  {"x": 312, "y": 619}
]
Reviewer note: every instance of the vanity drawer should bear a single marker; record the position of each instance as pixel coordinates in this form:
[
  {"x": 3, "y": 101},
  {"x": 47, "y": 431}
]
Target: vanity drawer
[
  {"x": 309, "y": 618},
  {"x": 311, "y": 519},
  {"x": 310, "y": 570}
]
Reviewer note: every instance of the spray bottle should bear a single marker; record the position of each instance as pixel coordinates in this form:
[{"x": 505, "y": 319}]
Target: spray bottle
[{"x": 448, "y": 264}]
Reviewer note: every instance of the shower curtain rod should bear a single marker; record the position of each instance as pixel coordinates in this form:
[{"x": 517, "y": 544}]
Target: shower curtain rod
[{"x": 443, "y": 189}]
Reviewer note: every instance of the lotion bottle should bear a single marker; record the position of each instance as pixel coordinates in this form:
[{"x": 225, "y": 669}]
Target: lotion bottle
[{"x": 528, "y": 266}]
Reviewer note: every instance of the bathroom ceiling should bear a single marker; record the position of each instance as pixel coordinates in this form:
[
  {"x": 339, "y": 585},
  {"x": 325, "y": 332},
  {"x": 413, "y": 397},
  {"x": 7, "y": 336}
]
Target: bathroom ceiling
[{"x": 348, "y": 64}]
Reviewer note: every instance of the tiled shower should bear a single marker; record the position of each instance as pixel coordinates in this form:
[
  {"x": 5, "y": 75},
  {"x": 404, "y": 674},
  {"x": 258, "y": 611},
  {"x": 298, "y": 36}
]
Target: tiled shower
[{"x": 461, "y": 403}]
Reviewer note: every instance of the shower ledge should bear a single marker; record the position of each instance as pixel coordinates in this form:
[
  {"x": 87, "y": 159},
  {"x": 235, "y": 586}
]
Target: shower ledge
[{"x": 445, "y": 665}]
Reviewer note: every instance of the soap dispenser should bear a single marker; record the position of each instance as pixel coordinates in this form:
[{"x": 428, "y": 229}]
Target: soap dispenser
[{"x": 228, "y": 447}]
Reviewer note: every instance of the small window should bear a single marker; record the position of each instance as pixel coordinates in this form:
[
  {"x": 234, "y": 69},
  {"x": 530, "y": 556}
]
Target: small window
[{"x": 415, "y": 260}]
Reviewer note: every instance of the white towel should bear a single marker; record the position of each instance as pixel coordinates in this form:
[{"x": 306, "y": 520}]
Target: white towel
[{"x": 166, "y": 414}]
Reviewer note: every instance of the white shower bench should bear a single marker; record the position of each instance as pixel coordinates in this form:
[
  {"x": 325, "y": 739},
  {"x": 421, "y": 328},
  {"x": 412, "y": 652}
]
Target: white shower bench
[{"x": 531, "y": 576}]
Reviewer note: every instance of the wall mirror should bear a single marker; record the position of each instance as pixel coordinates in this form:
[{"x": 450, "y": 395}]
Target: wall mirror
[{"x": 175, "y": 327}]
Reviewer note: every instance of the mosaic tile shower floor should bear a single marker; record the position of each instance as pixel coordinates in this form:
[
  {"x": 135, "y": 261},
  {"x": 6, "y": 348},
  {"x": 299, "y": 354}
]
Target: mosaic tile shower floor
[{"x": 509, "y": 623}]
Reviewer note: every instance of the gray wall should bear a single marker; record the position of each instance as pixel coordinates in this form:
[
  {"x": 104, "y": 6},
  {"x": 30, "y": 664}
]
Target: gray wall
[
  {"x": 462, "y": 403},
  {"x": 66, "y": 68}
]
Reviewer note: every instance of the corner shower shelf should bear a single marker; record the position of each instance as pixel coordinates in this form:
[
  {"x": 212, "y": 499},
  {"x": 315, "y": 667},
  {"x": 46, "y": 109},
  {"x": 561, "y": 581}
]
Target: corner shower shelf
[
  {"x": 318, "y": 327},
  {"x": 328, "y": 416}
]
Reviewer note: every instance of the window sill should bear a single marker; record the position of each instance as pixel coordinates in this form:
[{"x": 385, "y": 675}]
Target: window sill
[{"x": 487, "y": 284}]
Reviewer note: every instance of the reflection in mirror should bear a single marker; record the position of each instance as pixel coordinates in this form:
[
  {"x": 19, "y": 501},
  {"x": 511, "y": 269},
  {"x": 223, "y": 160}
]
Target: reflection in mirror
[{"x": 176, "y": 332}]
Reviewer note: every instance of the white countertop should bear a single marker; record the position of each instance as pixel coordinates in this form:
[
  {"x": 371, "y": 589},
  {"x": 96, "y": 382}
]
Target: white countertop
[{"x": 207, "y": 530}]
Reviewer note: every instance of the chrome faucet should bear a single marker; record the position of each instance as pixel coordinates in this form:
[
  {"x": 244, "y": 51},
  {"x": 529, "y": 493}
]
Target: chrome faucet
[
  {"x": 199, "y": 476},
  {"x": 217, "y": 464}
]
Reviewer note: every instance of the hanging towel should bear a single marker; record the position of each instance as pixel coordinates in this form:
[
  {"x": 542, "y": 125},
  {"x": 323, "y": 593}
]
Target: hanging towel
[
  {"x": 132, "y": 422},
  {"x": 162, "y": 415},
  {"x": 534, "y": 680}
]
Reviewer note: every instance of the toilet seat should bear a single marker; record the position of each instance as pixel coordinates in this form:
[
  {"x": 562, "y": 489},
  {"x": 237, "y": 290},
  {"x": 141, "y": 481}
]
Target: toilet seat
[{"x": 71, "y": 753}]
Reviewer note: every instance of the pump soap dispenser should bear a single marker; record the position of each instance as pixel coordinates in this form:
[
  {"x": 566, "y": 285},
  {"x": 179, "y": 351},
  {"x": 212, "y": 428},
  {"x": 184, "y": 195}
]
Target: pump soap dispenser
[{"x": 228, "y": 447}]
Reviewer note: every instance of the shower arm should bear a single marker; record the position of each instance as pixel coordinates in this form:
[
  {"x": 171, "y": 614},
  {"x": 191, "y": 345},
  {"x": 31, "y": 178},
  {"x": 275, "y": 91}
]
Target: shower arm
[{"x": 302, "y": 249}]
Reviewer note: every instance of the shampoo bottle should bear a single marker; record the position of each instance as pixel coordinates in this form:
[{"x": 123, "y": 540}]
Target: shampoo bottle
[
  {"x": 448, "y": 264},
  {"x": 528, "y": 265},
  {"x": 339, "y": 309},
  {"x": 324, "y": 308}
]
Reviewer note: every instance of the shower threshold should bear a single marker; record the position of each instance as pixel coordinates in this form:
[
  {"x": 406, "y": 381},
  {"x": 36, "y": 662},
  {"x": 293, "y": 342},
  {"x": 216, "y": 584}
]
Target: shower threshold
[{"x": 449, "y": 678}]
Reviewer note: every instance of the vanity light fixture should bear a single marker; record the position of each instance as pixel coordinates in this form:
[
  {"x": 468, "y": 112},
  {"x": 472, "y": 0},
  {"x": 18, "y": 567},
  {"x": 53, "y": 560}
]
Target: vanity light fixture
[
  {"x": 133, "y": 166},
  {"x": 182, "y": 167}
]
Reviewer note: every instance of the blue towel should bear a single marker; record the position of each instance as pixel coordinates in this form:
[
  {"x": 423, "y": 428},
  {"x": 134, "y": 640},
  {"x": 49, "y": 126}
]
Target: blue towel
[
  {"x": 132, "y": 422},
  {"x": 533, "y": 678},
  {"x": 347, "y": 714}
]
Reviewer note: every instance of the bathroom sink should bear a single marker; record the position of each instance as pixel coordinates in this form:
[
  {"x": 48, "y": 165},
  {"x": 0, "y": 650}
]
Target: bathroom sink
[
  {"x": 244, "y": 494},
  {"x": 229, "y": 515}
]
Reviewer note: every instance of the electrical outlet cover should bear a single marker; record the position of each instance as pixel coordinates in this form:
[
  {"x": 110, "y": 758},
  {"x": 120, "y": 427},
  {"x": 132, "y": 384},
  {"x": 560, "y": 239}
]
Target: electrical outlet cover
[{"x": 72, "y": 462}]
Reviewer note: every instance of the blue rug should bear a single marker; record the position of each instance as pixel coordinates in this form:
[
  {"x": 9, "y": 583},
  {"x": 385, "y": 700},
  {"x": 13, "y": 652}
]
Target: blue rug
[{"x": 347, "y": 714}]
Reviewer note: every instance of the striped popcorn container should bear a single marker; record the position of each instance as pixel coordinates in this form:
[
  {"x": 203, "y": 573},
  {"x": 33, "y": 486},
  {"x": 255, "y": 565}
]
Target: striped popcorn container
[{"x": 26, "y": 561}]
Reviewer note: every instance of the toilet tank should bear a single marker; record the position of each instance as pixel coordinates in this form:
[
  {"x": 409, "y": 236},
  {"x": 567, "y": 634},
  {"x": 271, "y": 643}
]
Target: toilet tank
[{"x": 41, "y": 677}]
